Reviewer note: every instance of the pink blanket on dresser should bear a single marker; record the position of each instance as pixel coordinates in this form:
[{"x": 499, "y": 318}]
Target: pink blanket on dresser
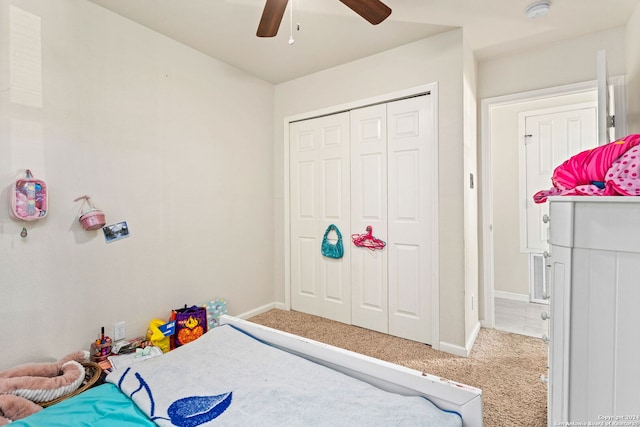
[{"x": 608, "y": 170}]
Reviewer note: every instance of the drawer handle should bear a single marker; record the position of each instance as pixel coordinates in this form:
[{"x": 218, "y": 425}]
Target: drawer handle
[
  {"x": 546, "y": 254},
  {"x": 544, "y": 315},
  {"x": 545, "y": 218},
  {"x": 545, "y": 338},
  {"x": 544, "y": 379}
]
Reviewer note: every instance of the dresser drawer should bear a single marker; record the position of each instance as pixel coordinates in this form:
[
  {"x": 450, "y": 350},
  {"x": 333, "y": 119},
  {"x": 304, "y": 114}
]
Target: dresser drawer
[
  {"x": 606, "y": 223},
  {"x": 561, "y": 223}
]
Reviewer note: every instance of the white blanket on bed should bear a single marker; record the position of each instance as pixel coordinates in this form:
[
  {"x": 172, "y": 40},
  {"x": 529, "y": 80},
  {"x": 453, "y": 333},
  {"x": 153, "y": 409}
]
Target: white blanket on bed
[{"x": 226, "y": 378}]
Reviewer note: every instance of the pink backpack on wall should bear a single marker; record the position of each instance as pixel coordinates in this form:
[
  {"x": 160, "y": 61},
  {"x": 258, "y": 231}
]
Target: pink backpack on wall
[{"x": 28, "y": 198}]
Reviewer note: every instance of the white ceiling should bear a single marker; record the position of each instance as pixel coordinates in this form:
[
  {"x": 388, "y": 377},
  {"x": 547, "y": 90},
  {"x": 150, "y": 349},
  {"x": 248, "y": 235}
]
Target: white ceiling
[{"x": 330, "y": 34}]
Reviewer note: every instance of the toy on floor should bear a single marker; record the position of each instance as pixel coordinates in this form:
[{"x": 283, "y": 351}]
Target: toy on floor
[
  {"x": 156, "y": 336},
  {"x": 215, "y": 309},
  {"x": 23, "y": 386}
]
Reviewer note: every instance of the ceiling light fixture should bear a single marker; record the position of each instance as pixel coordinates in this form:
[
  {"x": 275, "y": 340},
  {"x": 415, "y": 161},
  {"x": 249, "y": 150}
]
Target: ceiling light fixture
[{"x": 538, "y": 9}]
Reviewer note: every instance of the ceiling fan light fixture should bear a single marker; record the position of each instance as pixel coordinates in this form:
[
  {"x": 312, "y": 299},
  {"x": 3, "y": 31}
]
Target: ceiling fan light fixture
[
  {"x": 374, "y": 11},
  {"x": 538, "y": 9}
]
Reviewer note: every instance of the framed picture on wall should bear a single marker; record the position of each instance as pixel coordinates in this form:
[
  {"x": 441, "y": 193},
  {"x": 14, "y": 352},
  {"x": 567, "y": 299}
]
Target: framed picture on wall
[{"x": 115, "y": 232}]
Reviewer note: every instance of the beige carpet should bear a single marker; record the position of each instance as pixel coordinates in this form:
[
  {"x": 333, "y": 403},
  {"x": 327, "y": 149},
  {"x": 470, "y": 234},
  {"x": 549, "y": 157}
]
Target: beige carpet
[{"x": 506, "y": 366}]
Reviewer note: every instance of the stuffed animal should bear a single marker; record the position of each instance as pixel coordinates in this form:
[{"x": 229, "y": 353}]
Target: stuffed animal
[
  {"x": 23, "y": 386},
  {"x": 14, "y": 408}
]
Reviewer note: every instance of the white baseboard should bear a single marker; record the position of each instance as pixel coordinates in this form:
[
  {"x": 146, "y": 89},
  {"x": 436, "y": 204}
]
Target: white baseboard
[
  {"x": 282, "y": 306},
  {"x": 485, "y": 324},
  {"x": 456, "y": 350},
  {"x": 511, "y": 296},
  {"x": 260, "y": 310},
  {"x": 472, "y": 338}
]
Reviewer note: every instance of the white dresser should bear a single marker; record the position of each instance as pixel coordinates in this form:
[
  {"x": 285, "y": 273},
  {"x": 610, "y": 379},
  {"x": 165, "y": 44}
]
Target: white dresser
[{"x": 594, "y": 348}]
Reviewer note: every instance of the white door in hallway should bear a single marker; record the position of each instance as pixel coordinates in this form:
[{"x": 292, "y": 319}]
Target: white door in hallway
[
  {"x": 319, "y": 194},
  {"x": 552, "y": 136}
]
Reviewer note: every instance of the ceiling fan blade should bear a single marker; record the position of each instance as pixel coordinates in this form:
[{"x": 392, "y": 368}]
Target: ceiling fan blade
[
  {"x": 271, "y": 18},
  {"x": 373, "y": 11}
]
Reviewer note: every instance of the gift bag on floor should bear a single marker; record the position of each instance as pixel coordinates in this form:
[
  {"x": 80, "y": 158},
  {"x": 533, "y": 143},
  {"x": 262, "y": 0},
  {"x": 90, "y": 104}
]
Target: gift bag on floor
[{"x": 191, "y": 324}]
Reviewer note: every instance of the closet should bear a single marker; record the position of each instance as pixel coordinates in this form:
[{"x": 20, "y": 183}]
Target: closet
[{"x": 374, "y": 166}]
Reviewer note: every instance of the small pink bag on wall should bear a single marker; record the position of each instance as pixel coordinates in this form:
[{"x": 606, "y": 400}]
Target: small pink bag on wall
[{"x": 28, "y": 198}]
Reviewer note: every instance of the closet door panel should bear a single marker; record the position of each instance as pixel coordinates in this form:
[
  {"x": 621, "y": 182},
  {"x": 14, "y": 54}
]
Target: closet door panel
[
  {"x": 411, "y": 241},
  {"x": 369, "y": 208},
  {"x": 305, "y": 191},
  {"x": 406, "y": 293},
  {"x": 333, "y": 188},
  {"x": 335, "y": 285},
  {"x": 371, "y": 193},
  {"x": 306, "y": 267},
  {"x": 406, "y": 188},
  {"x": 319, "y": 196}
]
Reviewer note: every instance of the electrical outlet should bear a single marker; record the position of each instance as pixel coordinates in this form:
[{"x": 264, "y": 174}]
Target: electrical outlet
[{"x": 119, "y": 331}]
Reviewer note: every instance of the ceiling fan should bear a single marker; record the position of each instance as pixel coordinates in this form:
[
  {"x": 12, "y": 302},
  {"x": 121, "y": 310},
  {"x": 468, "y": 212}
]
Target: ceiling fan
[{"x": 373, "y": 11}]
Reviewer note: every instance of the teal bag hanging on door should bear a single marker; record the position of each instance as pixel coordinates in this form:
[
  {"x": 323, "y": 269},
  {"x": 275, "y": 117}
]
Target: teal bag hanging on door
[{"x": 329, "y": 249}]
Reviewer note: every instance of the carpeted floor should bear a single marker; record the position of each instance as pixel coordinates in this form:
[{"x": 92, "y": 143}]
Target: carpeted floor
[{"x": 507, "y": 367}]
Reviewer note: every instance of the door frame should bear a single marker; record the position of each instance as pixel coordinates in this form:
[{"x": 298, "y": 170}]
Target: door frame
[
  {"x": 487, "y": 105},
  {"x": 432, "y": 88}
]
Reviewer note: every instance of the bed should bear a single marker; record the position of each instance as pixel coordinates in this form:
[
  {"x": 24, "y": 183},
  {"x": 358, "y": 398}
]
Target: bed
[{"x": 245, "y": 374}]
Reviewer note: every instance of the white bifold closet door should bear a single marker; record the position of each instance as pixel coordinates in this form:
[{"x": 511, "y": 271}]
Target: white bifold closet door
[
  {"x": 392, "y": 172},
  {"x": 369, "y": 269},
  {"x": 386, "y": 158},
  {"x": 319, "y": 196},
  {"x": 413, "y": 217}
]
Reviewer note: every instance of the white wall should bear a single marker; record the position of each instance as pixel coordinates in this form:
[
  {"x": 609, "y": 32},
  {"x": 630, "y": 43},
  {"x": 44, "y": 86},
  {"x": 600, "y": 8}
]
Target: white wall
[
  {"x": 633, "y": 71},
  {"x": 561, "y": 63},
  {"x": 436, "y": 59},
  {"x": 174, "y": 142}
]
